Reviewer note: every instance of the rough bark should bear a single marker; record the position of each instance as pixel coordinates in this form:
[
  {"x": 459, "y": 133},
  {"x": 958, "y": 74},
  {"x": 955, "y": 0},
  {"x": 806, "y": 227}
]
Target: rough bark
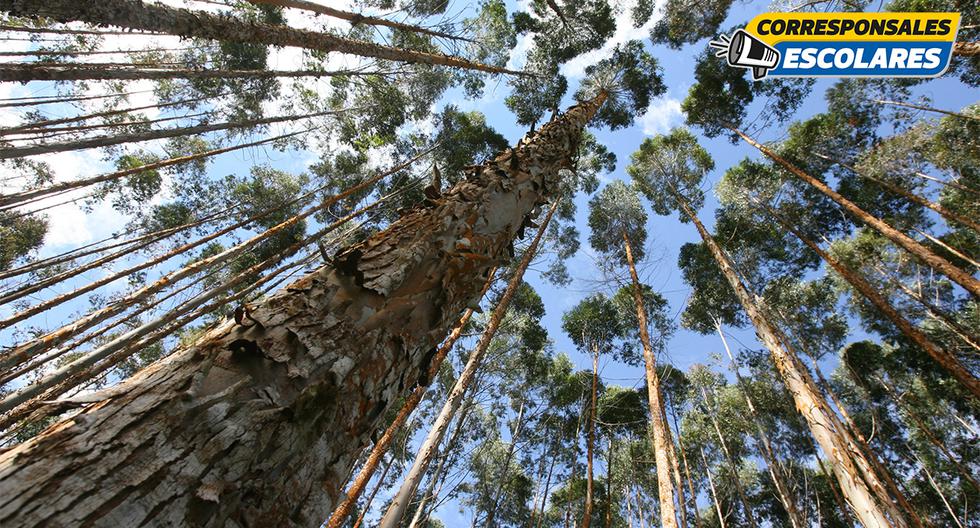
[
  {"x": 964, "y": 279},
  {"x": 150, "y": 135},
  {"x": 260, "y": 425},
  {"x": 411, "y": 403},
  {"x": 187, "y": 23},
  {"x": 658, "y": 427},
  {"x": 357, "y": 18},
  {"x": 849, "y": 464},
  {"x": 82, "y": 72},
  {"x": 946, "y": 360},
  {"x": 399, "y": 504}
]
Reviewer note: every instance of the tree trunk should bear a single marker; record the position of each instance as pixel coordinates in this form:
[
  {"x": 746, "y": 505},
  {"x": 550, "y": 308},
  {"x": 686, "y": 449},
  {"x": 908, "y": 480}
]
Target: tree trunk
[
  {"x": 544, "y": 496},
  {"x": 775, "y": 468},
  {"x": 947, "y": 361},
  {"x": 966, "y": 49},
  {"x": 848, "y": 463},
  {"x": 964, "y": 279},
  {"x": 58, "y": 99},
  {"x": 925, "y": 108},
  {"x": 936, "y": 312},
  {"x": 399, "y": 504},
  {"x": 374, "y": 492},
  {"x": 658, "y": 427},
  {"x": 343, "y": 510},
  {"x": 675, "y": 469},
  {"x": 590, "y": 442},
  {"x": 88, "y": 72},
  {"x": 732, "y": 464},
  {"x": 502, "y": 479},
  {"x": 260, "y": 425},
  {"x": 711, "y": 487},
  {"x": 8, "y": 200},
  {"x": 928, "y": 433},
  {"x": 357, "y": 18},
  {"x": 135, "y": 14},
  {"x": 687, "y": 471},
  {"x": 609, "y": 500},
  {"x": 150, "y": 135},
  {"x": 435, "y": 482},
  {"x": 914, "y": 198}
]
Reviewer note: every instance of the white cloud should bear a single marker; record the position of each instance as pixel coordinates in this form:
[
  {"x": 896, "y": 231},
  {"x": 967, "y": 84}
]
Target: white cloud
[{"x": 663, "y": 114}]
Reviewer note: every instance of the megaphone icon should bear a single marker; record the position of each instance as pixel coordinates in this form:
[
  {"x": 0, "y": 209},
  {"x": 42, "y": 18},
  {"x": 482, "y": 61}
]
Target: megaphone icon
[{"x": 744, "y": 50}]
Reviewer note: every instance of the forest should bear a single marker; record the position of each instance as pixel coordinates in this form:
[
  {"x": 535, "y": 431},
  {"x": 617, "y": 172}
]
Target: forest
[{"x": 485, "y": 263}]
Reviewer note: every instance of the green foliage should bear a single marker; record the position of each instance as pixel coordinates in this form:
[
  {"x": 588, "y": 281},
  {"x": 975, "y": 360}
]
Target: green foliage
[
  {"x": 613, "y": 213},
  {"x": 687, "y": 22},
  {"x": 668, "y": 166},
  {"x": 20, "y": 235},
  {"x": 594, "y": 325},
  {"x": 631, "y": 76}
]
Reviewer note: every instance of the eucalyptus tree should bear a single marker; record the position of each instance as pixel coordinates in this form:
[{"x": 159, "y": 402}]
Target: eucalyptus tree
[
  {"x": 617, "y": 220},
  {"x": 669, "y": 169},
  {"x": 549, "y": 148},
  {"x": 595, "y": 327},
  {"x": 717, "y": 103}
]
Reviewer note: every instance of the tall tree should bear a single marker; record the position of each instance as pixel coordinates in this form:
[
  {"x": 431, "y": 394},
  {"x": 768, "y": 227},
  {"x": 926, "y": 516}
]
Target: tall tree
[{"x": 669, "y": 171}]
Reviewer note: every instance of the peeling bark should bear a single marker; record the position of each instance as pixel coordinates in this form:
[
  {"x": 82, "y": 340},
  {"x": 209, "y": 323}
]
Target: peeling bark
[
  {"x": 966, "y": 49},
  {"x": 260, "y": 425}
]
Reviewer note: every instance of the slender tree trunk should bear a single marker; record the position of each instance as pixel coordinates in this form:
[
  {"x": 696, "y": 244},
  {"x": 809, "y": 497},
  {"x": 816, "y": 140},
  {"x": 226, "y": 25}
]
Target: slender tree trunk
[
  {"x": 150, "y": 135},
  {"x": 399, "y": 504},
  {"x": 374, "y": 492},
  {"x": 928, "y": 433},
  {"x": 24, "y": 196},
  {"x": 711, "y": 487},
  {"x": 609, "y": 472},
  {"x": 936, "y": 312},
  {"x": 932, "y": 483},
  {"x": 914, "y": 198},
  {"x": 732, "y": 465},
  {"x": 187, "y": 23},
  {"x": 89, "y": 72},
  {"x": 357, "y": 18},
  {"x": 38, "y": 127},
  {"x": 848, "y": 463},
  {"x": 946, "y": 183},
  {"x": 675, "y": 469},
  {"x": 349, "y": 500},
  {"x": 261, "y": 424},
  {"x": 832, "y": 484},
  {"x": 658, "y": 427},
  {"x": 687, "y": 471},
  {"x": 544, "y": 496},
  {"x": 590, "y": 442},
  {"x": 925, "y": 108},
  {"x": 964, "y": 279},
  {"x": 947, "y": 361},
  {"x": 505, "y": 470},
  {"x": 629, "y": 506},
  {"x": 775, "y": 468},
  {"x": 435, "y": 481},
  {"x": 58, "y": 99}
]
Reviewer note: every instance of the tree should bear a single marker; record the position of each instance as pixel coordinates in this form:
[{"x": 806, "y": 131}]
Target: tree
[
  {"x": 617, "y": 220},
  {"x": 852, "y": 470},
  {"x": 327, "y": 375}
]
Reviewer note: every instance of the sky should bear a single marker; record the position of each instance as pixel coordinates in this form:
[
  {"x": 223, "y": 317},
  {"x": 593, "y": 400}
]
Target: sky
[{"x": 72, "y": 226}]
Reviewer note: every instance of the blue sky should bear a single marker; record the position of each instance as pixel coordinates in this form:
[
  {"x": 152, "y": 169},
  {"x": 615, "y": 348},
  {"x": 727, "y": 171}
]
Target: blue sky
[{"x": 666, "y": 234}]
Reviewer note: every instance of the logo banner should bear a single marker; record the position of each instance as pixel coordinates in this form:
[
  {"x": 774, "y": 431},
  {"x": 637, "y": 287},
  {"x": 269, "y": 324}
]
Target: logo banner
[{"x": 843, "y": 44}]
